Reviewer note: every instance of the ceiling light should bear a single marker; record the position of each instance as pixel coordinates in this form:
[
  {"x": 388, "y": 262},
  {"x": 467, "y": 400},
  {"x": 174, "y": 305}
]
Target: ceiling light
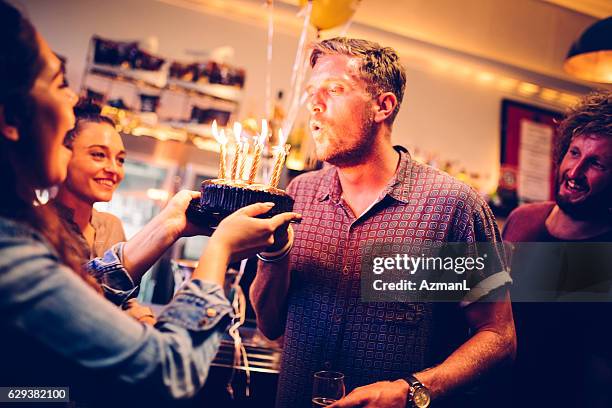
[
  {"x": 507, "y": 84},
  {"x": 485, "y": 77},
  {"x": 527, "y": 88},
  {"x": 568, "y": 99},
  {"x": 590, "y": 57},
  {"x": 549, "y": 94}
]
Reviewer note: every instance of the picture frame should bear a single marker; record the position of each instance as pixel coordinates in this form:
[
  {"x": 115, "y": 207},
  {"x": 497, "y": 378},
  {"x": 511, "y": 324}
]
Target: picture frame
[{"x": 528, "y": 137}]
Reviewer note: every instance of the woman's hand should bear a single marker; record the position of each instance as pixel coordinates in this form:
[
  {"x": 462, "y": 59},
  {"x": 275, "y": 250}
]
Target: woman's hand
[
  {"x": 145, "y": 248},
  {"x": 175, "y": 218},
  {"x": 244, "y": 236},
  {"x": 240, "y": 236}
]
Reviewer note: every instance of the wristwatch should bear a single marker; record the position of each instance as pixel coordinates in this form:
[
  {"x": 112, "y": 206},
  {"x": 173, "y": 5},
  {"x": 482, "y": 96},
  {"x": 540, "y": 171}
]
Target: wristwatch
[{"x": 419, "y": 396}]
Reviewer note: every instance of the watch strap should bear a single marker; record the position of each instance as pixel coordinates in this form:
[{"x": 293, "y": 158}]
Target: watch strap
[
  {"x": 413, "y": 381},
  {"x": 414, "y": 384}
]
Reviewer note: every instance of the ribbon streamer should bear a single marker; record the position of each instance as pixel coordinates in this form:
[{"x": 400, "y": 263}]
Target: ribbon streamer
[
  {"x": 239, "y": 306},
  {"x": 297, "y": 74},
  {"x": 270, "y": 5}
]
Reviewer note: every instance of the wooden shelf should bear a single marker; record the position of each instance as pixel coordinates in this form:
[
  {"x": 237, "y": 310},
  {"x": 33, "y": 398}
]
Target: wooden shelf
[{"x": 159, "y": 80}]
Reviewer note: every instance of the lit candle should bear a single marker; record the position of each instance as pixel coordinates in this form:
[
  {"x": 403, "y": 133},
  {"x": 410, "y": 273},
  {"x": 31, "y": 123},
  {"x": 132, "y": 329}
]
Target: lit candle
[
  {"x": 259, "y": 142},
  {"x": 237, "y": 149},
  {"x": 237, "y": 131},
  {"x": 245, "y": 156},
  {"x": 264, "y": 128},
  {"x": 222, "y": 140},
  {"x": 281, "y": 154},
  {"x": 224, "y": 153}
]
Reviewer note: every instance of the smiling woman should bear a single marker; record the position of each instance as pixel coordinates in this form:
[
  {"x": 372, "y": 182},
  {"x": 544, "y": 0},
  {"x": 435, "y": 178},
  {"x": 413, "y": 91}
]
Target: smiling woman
[
  {"x": 55, "y": 329},
  {"x": 94, "y": 173}
]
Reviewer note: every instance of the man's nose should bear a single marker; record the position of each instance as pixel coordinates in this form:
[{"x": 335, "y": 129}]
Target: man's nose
[
  {"x": 577, "y": 169},
  {"x": 315, "y": 103}
]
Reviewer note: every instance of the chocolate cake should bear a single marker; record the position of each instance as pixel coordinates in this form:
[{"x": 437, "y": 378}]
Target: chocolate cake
[{"x": 220, "y": 198}]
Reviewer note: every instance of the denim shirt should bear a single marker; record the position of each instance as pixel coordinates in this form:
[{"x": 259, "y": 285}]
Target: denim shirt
[
  {"x": 108, "y": 270},
  {"x": 53, "y": 323}
]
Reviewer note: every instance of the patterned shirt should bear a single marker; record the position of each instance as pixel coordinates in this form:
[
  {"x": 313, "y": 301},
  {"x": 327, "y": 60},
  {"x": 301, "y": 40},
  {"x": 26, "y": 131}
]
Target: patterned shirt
[{"x": 328, "y": 327}]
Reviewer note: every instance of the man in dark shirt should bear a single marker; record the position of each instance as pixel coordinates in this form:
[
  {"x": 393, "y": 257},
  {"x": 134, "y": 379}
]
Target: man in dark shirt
[
  {"x": 564, "y": 349},
  {"x": 374, "y": 193}
]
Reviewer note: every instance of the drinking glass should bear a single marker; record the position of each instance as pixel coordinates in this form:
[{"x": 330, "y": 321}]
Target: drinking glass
[{"x": 327, "y": 388}]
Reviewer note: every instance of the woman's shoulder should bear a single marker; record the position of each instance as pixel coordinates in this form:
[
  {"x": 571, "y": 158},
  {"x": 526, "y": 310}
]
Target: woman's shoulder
[
  {"x": 13, "y": 229},
  {"x": 109, "y": 231},
  {"x": 25, "y": 255},
  {"x": 107, "y": 224},
  {"x": 98, "y": 217}
]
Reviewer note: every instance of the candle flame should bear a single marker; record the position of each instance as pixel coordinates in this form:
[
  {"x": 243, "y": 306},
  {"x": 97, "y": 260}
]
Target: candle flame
[
  {"x": 264, "y": 128},
  {"x": 237, "y": 131},
  {"x": 261, "y": 139},
  {"x": 221, "y": 138},
  {"x": 281, "y": 137}
]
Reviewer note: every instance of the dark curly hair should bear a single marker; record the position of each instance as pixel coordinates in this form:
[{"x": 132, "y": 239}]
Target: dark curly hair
[
  {"x": 86, "y": 111},
  {"x": 591, "y": 116},
  {"x": 20, "y": 65},
  {"x": 380, "y": 66}
]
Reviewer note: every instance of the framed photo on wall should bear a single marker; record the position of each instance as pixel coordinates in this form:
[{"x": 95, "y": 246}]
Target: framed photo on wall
[{"x": 528, "y": 135}]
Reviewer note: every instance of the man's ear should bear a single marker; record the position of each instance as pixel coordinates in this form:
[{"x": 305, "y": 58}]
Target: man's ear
[
  {"x": 386, "y": 104},
  {"x": 8, "y": 131}
]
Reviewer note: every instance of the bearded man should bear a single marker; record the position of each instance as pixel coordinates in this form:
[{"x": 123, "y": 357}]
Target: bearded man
[
  {"x": 583, "y": 202},
  {"x": 564, "y": 348}
]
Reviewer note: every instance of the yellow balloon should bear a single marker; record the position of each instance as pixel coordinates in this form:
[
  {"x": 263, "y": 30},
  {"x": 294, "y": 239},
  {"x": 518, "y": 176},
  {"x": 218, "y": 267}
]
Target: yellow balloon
[{"x": 331, "y": 13}]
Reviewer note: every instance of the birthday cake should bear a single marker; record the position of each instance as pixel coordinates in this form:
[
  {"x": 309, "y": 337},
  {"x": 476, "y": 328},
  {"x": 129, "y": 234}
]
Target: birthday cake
[
  {"x": 234, "y": 190},
  {"x": 222, "y": 197}
]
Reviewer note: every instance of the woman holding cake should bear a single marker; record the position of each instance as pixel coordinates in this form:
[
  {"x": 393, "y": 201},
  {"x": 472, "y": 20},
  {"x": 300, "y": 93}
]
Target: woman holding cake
[{"x": 56, "y": 328}]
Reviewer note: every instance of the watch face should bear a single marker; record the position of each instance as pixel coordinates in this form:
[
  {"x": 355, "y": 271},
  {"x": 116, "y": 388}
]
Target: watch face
[{"x": 421, "y": 398}]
